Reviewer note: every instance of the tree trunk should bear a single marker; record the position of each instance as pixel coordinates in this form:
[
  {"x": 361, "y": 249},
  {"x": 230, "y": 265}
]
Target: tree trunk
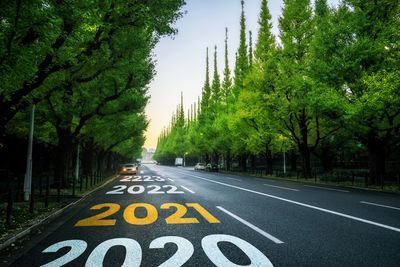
[
  {"x": 268, "y": 160},
  {"x": 87, "y": 158},
  {"x": 303, "y": 145},
  {"x": 243, "y": 163},
  {"x": 63, "y": 155},
  {"x": 293, "y": 161},
  {"x": 253, "y": 162},
  {"x": 228, "y": 161},
  {"x": 376, "y": 158}
]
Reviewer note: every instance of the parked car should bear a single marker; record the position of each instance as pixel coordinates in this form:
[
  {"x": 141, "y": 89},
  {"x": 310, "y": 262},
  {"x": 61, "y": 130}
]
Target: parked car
[
  {"x": 200, "y": 166},
  {"x": 211, "y": 167},
  {"x": 129, "y": 168}
]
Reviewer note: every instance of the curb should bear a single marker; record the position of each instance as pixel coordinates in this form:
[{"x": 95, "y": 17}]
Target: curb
[{"x": 49, "y": 218}]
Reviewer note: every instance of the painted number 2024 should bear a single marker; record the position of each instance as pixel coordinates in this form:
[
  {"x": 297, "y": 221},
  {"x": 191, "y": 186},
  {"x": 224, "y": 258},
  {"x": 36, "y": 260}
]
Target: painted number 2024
[{"x": 133, "y": 251}]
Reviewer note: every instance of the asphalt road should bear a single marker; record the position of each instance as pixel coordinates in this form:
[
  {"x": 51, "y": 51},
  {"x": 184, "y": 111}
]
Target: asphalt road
[{"x": 170, "y": 216}]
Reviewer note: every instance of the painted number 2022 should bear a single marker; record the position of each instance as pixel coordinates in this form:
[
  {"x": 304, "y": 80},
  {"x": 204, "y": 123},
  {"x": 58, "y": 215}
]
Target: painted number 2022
[{"x": 133, "y": 251}]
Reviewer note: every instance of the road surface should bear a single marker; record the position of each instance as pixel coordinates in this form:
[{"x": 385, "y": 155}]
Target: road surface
[{"x": 168, "y": 216}]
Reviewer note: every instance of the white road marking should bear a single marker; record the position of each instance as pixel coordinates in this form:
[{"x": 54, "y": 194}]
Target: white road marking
[
  {"x": 141, "y": 172},
  {"x": 265, "y": 180},
  {"x": 255, "y": 228},
  {"x": 170, "y": 179},
  {"x": 188, "y": 189},
  {"x": 326, "y": 188},
  {"x": 301, "y": 204},
  {"x": 234, "y": 179},
  {"x": 280, "y": 187},
  {"x": 379, "y": 205}
]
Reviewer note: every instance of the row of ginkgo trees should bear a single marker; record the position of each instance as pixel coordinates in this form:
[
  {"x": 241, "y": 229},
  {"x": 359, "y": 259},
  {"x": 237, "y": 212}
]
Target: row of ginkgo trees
[
  {"x": 328, "y": 89},
  {"x": 86, "y": 66}
]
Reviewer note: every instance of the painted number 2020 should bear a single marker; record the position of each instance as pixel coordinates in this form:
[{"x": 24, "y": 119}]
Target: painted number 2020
[{"x": 133, "y": 251}]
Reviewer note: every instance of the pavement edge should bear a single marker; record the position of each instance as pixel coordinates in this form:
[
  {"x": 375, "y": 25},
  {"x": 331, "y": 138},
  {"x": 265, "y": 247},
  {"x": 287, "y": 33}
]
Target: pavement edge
[{"x": 49, "y": 218}]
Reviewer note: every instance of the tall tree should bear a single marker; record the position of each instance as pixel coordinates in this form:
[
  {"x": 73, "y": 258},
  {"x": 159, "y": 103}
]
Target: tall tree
[{"x": 242, "y": 59}]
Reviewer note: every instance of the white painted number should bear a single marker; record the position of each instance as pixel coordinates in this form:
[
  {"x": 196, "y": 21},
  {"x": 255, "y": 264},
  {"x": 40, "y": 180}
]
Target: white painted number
[
  {"x": 133, "y": 251},
  {"x": 132, "y": 189},
  {"x": 119, "y": 191},
  {"x": 139, "y": 189},
  {"x": 77, "y": 248},
  {"x": 133, "y": 254},
  {"x": 183, "y": 253},
  {"x": 155, "y": 190},
  {"x": 210, "y": 247},
  {"x": 137, "y": 178},
  {"x": 173, "y": 190}
]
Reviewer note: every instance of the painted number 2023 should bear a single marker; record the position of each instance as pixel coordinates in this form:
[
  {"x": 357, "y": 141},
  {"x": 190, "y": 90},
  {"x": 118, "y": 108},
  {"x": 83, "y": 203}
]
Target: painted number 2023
[{"x": 133, "y": 251}]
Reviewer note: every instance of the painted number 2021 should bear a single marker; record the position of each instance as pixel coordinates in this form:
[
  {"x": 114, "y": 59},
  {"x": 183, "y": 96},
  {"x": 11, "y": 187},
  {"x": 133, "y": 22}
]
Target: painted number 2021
[
  {"x": 133, "y": 251},
  {"x": 177, "y": 217}
]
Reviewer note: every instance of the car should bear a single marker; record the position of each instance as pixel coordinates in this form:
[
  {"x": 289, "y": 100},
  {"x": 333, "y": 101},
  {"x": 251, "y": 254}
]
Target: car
[
  {"x": 200, "y": 166},
  {"x": 211, "y": 167},
  {"x": 129, "y": 168}
]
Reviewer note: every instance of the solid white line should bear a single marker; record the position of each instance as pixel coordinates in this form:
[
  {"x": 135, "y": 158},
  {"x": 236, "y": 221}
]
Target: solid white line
[
  {"x": 302, "y": 204},
  {"x": 255, "y": 228},
  {"x": 170, "y": 179},
  {"x": 233, "y": 179},
  {"x": 326, "y": 188},
  {"x": 280, "y": 187},
  {"x": 379, "y": 205},
  {"x": 188, "y": 189}
]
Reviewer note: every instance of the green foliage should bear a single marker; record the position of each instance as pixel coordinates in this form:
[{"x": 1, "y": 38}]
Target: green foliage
[
  {"x": 330, "y": 88},
  {"x": 86, "y": 65}
]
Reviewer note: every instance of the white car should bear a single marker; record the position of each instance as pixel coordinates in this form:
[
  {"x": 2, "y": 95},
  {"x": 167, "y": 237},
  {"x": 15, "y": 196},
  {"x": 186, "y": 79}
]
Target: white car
[{"x": 200, "y": 166}]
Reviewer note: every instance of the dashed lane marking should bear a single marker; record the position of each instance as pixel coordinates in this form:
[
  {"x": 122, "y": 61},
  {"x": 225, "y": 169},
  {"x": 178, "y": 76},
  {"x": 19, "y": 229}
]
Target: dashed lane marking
[
  {"x": 300, "y": 204},
  {"x": 234, "y": 179},
  {"x": 327, "y": 188},
  {"x": 255, "y": 228},
  {"x": 281, "y": 187},
  {"x": 170, "y": 179},
  {"x": 379, "y": 205}
]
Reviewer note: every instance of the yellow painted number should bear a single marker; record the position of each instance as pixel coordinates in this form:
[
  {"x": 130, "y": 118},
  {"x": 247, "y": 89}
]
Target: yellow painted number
[
  {"x": 130, "y": 216},
  {"x": 177, "y": 217},
  {"x": 203, "y": 212},
  {"x": 97, "y": 220}
]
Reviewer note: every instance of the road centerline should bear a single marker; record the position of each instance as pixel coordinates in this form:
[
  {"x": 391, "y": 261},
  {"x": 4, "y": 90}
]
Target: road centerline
[
  {"x": 300, "y": 204},
  {"x": 281, "y": 187},
  {"x": 255, "y": 228},
  {"x": 379, "y": 205}
]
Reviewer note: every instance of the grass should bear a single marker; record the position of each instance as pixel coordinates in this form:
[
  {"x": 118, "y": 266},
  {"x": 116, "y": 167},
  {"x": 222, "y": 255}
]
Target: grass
[{"x": 22, "y": 218}]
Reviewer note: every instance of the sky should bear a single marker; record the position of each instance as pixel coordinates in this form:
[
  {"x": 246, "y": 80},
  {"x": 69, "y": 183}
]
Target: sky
[{"x": 181, "y": 60}]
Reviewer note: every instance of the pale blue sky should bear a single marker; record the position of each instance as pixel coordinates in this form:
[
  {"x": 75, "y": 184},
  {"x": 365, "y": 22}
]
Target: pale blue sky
[{"x": 181, "y": 61}]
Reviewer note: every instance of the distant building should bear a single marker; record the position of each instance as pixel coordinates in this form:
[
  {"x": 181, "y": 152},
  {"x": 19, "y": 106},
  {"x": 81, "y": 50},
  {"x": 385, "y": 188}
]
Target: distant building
[{"x": 147, "y": 154}]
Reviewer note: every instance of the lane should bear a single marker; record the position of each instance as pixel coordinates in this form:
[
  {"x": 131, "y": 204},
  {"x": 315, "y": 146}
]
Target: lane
[
  {"x": 330, "y": 239},
  {"x": 167, "y": 215},
  {"x": 348, "y": 203},
  {"x": 147, "y": 220}
]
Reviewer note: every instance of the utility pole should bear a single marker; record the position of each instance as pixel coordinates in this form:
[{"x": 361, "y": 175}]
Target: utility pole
[
  {"x": 28, "y": 173},
  {"x": 77, "y": 164}
]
